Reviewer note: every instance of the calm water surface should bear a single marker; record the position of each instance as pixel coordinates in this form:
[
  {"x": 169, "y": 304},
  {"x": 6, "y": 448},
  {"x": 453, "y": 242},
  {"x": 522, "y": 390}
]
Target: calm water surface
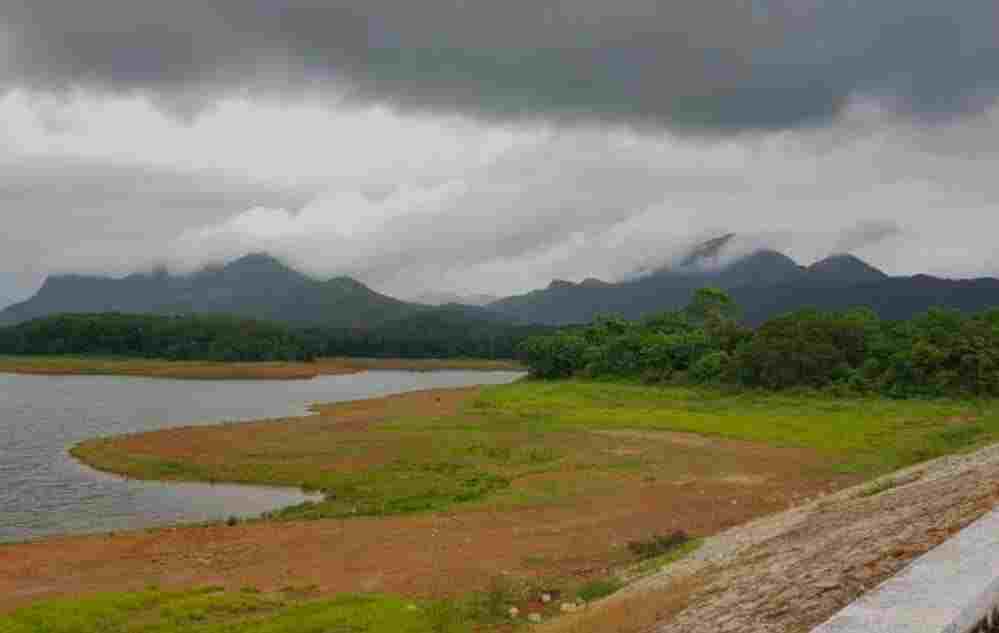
[{"x": 44, "y": 491}]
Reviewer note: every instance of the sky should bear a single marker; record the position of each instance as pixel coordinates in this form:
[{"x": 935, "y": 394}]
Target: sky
[{"x": 474, "y": 146}]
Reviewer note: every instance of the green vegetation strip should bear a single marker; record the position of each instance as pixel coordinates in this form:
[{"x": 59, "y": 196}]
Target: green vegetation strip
[
  {"x": 941, "y": 353},
  {"x": 870, "y": 435},
  {"x": 215, "y": 611}
]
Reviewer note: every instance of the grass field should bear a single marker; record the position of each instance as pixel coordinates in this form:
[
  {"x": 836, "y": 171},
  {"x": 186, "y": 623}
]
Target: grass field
[
  {"x": 212, "y": 610},
  {"x": 496, "y": 449},
  {"x": 211, "y": 370},
  {"x": 551, "y": 479},
  {"x": 869, "y": 436}
]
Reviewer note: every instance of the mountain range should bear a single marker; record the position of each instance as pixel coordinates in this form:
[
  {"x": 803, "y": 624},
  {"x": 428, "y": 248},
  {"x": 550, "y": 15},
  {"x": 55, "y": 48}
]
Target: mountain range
[
  {"x": 764, "y": 283},
  {"x": 255, "y": 286}
]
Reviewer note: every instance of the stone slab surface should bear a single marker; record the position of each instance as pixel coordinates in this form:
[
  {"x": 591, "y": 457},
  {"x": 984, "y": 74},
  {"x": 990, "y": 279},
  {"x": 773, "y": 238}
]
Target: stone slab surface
[{"x": 949, "y": 590}]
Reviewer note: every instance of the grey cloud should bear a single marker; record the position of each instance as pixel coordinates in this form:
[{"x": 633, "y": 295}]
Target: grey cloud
[
  {"x": 567, "y": 203},
  {"x": 866, "y": 233},
  {"x": 692, "y": 65},
  {"x": 579, "y": 204},
  {"x": 66, "y": 215}
]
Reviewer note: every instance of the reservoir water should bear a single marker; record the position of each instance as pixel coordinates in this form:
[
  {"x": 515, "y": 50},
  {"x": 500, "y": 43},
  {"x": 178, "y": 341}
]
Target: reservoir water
[{"x": 44, "y": 491}]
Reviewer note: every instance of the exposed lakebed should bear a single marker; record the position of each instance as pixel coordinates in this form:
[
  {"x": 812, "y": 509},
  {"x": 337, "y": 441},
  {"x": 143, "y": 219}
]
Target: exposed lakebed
[{"x": 44, "y": 491}]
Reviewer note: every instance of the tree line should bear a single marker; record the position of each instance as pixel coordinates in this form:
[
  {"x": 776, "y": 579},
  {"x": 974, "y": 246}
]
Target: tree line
[
  {"x": 937, "y": 353},
  {"x": 233, "y": 339}
]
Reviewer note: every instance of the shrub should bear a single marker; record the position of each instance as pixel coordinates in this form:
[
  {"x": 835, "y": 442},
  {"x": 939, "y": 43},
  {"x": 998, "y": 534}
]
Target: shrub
[
  {"x": 709, "y": 368},
  {"x": 599, "y": 588},
  {"x": 658, "y": 545},
  {"x": 557, "y": 356}
]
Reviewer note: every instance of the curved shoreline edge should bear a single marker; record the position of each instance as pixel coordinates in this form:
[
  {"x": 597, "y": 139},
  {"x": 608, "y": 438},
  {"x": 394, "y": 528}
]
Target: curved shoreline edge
[
  {"x": 86, "y": 452},
  {"x": 218, "y": 370}
]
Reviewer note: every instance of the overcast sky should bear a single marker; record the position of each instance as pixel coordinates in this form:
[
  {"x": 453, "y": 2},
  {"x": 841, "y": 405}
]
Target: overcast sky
[{"x": 481, "y": 146}]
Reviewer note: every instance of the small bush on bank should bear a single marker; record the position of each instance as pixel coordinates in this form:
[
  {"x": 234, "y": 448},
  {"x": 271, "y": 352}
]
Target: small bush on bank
[
  {"x": 658, "y": 545},
  {"x": 600, "y": 588}
]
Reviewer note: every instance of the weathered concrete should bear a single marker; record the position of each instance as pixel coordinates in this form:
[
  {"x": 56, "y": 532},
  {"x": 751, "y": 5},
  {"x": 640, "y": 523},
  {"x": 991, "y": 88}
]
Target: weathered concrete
[{"x": 951, "y": 589}]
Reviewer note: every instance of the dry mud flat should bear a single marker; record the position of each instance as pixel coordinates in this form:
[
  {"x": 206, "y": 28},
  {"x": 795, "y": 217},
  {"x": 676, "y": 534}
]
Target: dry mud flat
[
  {"x": 790, "y": 572},
  {"x": 580, "y": 537}
]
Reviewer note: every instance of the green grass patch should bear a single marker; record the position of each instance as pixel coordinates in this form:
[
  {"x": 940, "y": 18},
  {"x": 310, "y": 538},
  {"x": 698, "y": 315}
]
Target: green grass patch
[
  {"x": 599, "y": 588},
  {"x": 868, "y": 435},
  {"x": 544, "y": 443},
  {"x": 216, "y": 611},
  {"x": 658, "y": 545}
]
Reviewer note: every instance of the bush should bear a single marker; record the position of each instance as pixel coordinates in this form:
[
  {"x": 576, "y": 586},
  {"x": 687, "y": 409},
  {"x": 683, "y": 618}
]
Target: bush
[
  {"x": 658, "y": 545},
  {"x": 709, "y": 368},
  {"x": 600, "y": 588},
  {"x": 558, "y": 356}
]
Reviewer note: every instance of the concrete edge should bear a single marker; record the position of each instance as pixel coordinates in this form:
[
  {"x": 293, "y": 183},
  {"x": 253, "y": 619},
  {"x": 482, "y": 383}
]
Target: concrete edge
[{"x": 952, "y": 589}]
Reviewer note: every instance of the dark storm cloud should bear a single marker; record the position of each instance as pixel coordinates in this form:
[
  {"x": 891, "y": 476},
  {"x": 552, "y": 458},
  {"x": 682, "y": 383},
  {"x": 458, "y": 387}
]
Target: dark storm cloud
[{"x": 694, "y": 64}]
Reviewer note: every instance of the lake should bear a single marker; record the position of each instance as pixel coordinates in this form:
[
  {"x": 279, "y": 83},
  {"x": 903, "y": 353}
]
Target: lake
[{"x": 44, "y": 491}]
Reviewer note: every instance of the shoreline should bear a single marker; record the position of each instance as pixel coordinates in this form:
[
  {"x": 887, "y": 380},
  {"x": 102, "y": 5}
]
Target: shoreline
[
  {"x": 448, "y": 491},
  {"x": 220, "y": 370},
  {"x": 562, "y": 543}
]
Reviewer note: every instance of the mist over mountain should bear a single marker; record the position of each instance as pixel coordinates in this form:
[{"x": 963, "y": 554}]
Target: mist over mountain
[
  {"x": 764, "y": 282},
  {"x": 256, "y": 286}
]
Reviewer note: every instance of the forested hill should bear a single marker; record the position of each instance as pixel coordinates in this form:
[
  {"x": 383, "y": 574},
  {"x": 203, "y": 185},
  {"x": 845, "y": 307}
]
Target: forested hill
[
  {"x": 256, "y": 286},
  {"x": 765, "y": 283}
]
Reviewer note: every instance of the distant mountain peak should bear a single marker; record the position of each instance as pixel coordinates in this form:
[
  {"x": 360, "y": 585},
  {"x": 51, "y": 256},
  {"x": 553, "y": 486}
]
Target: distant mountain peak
[
  {"x": 560, "y": 283},
  {"x": 764, "y": 267},
  {"x": 258, "y": 262},
  {"x": 707, "y": 253},
  {"x": 846, "y": 268},
  {"x": 257, "y": 285},
  {"x": 593, "y": 282}
]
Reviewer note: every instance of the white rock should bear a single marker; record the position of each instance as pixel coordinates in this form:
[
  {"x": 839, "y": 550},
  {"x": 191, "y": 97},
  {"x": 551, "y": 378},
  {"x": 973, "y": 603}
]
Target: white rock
[
  {"x": 569, "y": 607},
  {"x": 534, "y": 618},
  {"x": 514, "y": 613}
]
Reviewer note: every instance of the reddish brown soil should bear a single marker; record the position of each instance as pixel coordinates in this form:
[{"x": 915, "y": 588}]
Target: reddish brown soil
[{"x": 422, "y": 554}]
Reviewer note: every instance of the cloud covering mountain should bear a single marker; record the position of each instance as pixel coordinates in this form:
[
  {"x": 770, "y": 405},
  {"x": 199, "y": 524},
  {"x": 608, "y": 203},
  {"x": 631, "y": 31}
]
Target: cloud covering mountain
[{"x": 490, "y": 147}]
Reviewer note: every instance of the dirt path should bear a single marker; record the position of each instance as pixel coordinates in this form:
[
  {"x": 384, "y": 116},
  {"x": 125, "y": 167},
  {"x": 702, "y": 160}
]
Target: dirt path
[
  {"x": 790, "y": 572},
  {"x": 583, "y": 537}
]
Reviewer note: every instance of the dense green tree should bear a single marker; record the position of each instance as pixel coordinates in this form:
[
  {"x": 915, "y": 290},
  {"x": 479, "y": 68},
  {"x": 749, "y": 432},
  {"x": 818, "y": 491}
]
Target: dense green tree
[
  {"x": 712, "y": 307},
  {"x": 429, "y": 334},
  {"x": 941, "y": 352}
]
